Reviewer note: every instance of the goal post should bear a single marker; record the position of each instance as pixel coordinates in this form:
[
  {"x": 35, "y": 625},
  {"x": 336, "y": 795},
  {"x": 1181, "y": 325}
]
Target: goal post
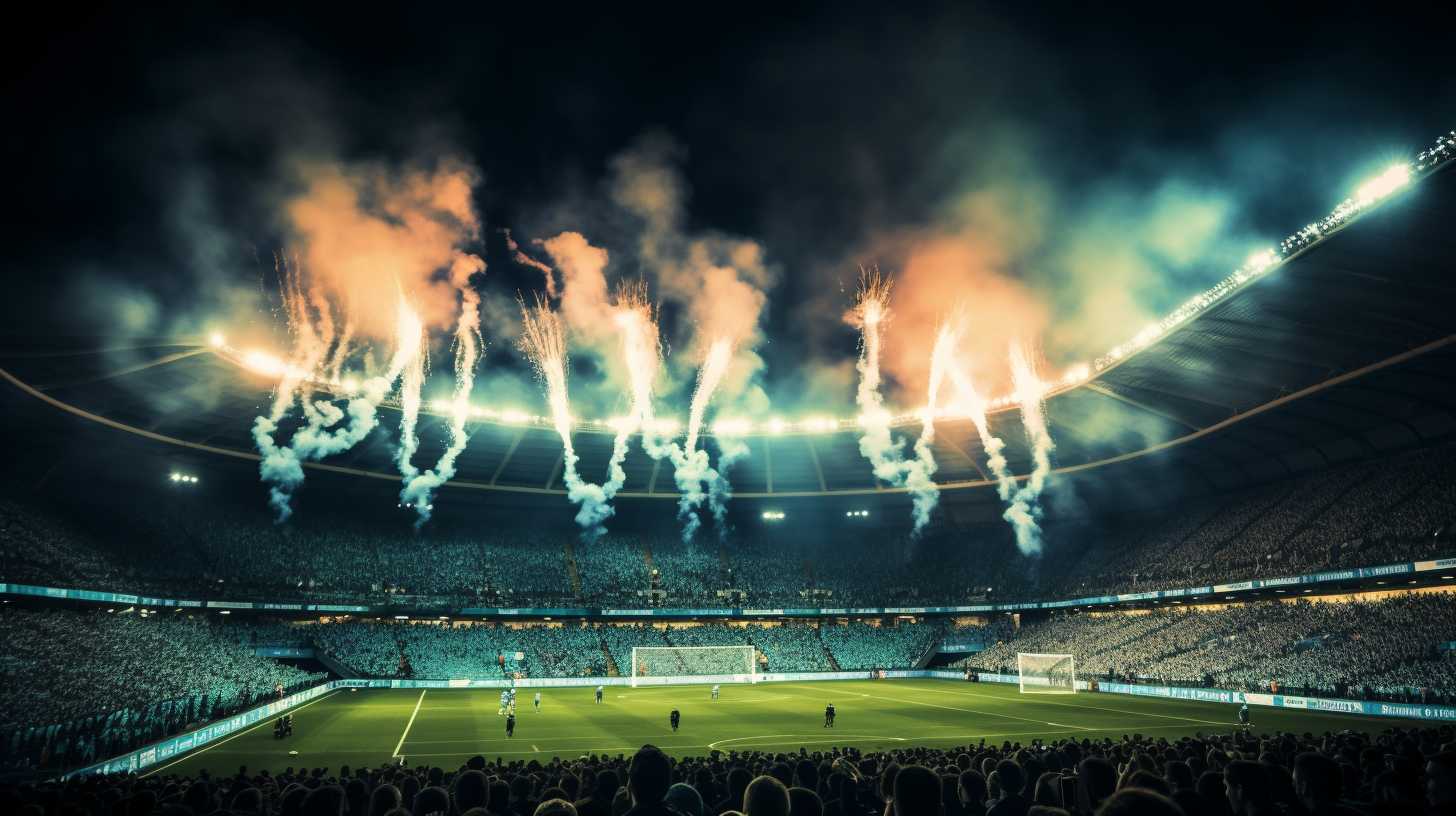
[
  {"x": 694, "y": 664},
  {"x": 1047, "y": 673}
]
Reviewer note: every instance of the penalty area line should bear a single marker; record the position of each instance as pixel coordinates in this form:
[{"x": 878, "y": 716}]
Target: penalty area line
[{"x": 410, "y": 724}]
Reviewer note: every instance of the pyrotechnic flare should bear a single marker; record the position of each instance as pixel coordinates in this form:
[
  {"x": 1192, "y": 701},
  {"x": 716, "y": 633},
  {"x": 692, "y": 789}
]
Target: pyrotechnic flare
[
  {"x": 419, "y": 487},
  {"x": 329, "y": 429},
  {"x": 279, "y": 464},
  {"x": 1025, "y": 510},
  {"x": 642, "y": 354},
  {"x": 970, "y": 403},
  {"x": 543, "y": 341},
  {"x": 410, "y": 387},
  {"x": 886, "y": 456}
]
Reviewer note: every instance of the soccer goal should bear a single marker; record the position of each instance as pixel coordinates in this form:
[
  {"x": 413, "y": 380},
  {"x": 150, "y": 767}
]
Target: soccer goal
[
  {"x": 702, "y": 664},
  {"x": 1047, "y": 673}
]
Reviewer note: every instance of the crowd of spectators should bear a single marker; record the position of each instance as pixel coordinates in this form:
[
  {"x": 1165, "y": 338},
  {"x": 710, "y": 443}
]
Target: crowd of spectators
[
  {"x": 75, "y": 686},
  {"x": 1390, "y": 648},
  {"x": 444, "y": 651},
  {"x": 613, "y": 570},
  {"x": 1354, "y": 515},
  {"x": 858, "y": 646},
  {"x": 1396, "y": 771}
]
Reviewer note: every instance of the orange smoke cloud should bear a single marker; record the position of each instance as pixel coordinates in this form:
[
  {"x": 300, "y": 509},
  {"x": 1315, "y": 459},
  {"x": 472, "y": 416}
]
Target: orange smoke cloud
[
  {"x": 585, "y": 301},
  {"x": 944, "y": 275},
  {"x": 364, "y": 236}
]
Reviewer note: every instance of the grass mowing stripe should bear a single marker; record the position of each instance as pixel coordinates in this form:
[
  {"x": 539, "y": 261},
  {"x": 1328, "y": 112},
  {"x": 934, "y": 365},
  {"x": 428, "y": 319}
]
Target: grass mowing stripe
[
  {"x": 955, "y": 708},
  {"x": 355, "y": 729},
  {"x": 1085, "y": 706},
  {"x": 409, "y": 724},
  {"x": 254, "y": 727}
]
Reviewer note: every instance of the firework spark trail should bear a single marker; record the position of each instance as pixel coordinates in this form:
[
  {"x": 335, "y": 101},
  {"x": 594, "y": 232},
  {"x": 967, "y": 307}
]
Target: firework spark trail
[
  {"x": 411, "y": 385},
  {"x": 876, "y": 443},
  {"x": 335, "y": 430},
  {"x": 342, "y": 350},
  {"x": 642, "y": 354},
  {"x": 543, "y": 340},
  {"x": 973, "y": 405},
  {"x": 419, "y": 488},
  {"x": 1025, "y": 510},
  {"x": 279, "y": 465},
  {"x": 642, "y": 351}
]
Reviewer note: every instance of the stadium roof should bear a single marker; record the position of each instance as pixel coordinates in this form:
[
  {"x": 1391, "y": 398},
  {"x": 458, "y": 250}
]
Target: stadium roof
[{"x": 1345, "y": 351}]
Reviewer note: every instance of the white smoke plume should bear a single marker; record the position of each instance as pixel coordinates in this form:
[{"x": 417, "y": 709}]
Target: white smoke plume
[
  {"x": 543, "y": 341},
  {"x": 876, "y": 443},
  {"x": 970, "y": 403},
  {"x": 329, "y": 430},
  {"x": 720, "y": 490},
  {"x": 1025, "y": 511},
  {"x": 370, "y": 245},
  {"x": 690, "y": 467},
  {"x": 419, "y": 487}
]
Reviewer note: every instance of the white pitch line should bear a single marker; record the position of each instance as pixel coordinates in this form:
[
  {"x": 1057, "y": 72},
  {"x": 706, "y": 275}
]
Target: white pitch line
[
  {"x": 535, "y": 749},
  {"x": 410, "y": 724},
  {"x": 254, "y": 727}
]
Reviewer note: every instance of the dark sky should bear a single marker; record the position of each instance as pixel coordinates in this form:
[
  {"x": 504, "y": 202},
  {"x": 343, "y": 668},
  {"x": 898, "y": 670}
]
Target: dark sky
[{"x": 146, "y": 145}]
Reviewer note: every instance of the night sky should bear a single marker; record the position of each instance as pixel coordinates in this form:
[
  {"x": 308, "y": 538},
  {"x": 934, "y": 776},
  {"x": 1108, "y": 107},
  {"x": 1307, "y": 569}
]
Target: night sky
[{"x": 150, "y": 149}]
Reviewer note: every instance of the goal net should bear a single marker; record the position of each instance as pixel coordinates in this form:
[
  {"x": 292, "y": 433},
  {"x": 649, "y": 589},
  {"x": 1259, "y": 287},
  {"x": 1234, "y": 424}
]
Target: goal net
[
  {"x": 697, "y": 664},
  {"x": 1047, "y": 673}
]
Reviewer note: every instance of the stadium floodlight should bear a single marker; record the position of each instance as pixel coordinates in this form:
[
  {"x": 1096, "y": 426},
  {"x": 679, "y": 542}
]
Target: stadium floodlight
[
  {"x": 732, "y": 427},
  {"x": 773, "y": 515},
  {"x": 694, "y": 664},
  {"x": 217, "y": 340},
  {"x": 1047, "y": 673},
  {"x": 1394, "y": 178},
  {"x": 776, "y": 425}
]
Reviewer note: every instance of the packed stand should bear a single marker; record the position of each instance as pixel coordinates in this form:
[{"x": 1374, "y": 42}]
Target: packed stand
[
  {"x": 861, "y": 646},
  {"x": 1382, "y": 649},
  {"x": 77, "y": 686}
]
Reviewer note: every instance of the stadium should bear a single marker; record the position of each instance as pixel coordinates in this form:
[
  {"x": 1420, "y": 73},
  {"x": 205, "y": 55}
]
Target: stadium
[{"x": 366, "y": 541}]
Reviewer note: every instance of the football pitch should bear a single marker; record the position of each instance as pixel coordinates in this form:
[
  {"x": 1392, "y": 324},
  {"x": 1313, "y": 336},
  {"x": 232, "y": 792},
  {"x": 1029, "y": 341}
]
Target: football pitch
[{"x": 444, "y": 727}]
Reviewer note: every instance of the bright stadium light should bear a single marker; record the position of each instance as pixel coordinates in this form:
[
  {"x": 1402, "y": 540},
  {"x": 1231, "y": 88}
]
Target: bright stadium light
[
  {"x": 510, "y": 416},
  {"x": 773, "y": 515},
  {"x": 732, "y": 427},
  {"x": 819, "y": 424},
  {"x": 1262, "y": 260},
  {"x": 217, "y": 340},
  {"x": 776, "y": 425},
  {"x": 1394, "y": 178}
]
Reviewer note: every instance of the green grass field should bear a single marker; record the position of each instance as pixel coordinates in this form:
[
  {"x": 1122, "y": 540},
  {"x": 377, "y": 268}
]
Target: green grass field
[{"x": 445, "y": 727}]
